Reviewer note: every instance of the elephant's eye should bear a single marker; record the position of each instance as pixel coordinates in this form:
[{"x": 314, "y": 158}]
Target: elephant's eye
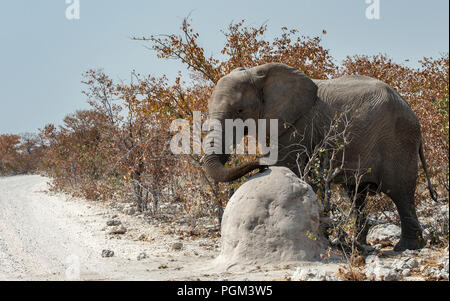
[{"x": 240, "y": 111}]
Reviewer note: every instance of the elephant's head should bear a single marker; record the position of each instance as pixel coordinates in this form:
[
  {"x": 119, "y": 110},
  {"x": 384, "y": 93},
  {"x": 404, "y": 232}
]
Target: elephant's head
[{"x": 270, "y": 91}]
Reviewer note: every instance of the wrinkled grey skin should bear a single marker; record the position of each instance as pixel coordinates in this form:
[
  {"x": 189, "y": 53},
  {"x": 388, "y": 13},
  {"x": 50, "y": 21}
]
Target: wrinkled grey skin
[{"x": 385, "y": 134}]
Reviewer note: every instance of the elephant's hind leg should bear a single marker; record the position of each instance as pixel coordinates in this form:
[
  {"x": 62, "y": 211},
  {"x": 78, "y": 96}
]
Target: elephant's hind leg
[{"x": 411, "y": 237}]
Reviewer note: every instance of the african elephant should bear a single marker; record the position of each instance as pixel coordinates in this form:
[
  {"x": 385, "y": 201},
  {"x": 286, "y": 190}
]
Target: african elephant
[{"x": 385, "y": 132}]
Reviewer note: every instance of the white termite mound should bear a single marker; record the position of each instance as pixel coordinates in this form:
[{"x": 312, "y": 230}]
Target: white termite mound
[{"x": 273, "y": 218}]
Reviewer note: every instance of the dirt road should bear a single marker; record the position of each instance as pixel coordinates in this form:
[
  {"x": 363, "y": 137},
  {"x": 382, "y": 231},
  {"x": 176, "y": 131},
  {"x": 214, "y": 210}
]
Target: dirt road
[
  {"x": 45, "y": 237},
  {"x": 54, "y": 237}
]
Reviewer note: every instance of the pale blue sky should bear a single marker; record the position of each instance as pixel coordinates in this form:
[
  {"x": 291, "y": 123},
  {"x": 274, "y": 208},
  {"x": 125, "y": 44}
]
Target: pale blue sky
[{"x": 43, "y": 55}]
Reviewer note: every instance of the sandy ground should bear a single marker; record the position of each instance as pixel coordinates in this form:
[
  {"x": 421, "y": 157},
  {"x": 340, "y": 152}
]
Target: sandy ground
[{"x": 54, "y": 237}]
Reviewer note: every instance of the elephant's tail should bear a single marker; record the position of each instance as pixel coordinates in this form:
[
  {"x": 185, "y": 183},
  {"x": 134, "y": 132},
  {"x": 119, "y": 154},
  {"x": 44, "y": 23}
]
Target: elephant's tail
[{"x": 433, "y": 193}]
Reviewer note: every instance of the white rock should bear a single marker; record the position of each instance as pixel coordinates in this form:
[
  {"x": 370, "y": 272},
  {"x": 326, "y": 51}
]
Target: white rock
[
  {"x": 384, "y": 233},
  {"x": 117, "y": 230},
  {"x": 433, "y": 272},
  {"x": 405, "y": 263},
  {"x": 313, "y": 274},
  {"x": 375, "y": 270},
  {"x": 272, "y": 218},
  {"x": 406, "y": 272},
  {"x": 410, "y": 252},
  {"x": 386, "y": 274},
  {"x": 425, "y": 252}
]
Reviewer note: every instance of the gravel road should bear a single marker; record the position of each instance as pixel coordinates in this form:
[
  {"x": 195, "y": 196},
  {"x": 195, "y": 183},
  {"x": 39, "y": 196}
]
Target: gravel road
[{"x": 42, "y": 236}]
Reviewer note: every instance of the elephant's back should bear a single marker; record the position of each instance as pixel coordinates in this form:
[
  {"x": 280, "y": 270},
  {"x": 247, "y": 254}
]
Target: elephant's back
[
  {"x": 382, "y": 121},
  {"x": 365, "y": 94}
]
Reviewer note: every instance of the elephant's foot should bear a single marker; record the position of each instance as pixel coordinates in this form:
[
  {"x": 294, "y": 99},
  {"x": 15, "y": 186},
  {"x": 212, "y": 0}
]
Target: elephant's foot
[{"x": 409, "y": 244}]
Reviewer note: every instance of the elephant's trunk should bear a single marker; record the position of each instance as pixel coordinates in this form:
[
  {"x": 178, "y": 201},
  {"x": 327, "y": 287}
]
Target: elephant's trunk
[
  {"x": 215, "y": 167},
  {"x": 214, "y": 162}
]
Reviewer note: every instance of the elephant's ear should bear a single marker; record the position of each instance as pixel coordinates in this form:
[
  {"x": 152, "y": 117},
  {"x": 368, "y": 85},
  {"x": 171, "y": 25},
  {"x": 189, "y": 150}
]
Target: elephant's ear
[{"x": 288, "y": 92}]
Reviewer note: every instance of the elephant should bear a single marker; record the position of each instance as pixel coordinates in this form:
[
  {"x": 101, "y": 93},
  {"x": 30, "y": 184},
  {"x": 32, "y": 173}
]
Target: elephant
[{"x": 385, "y": 133}]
